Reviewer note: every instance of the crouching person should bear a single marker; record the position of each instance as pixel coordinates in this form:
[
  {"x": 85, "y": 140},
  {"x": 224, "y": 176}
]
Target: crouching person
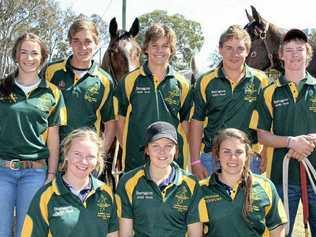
[
  {"x": 75, "y": 204},
  {"x": 159, "y": 198}
]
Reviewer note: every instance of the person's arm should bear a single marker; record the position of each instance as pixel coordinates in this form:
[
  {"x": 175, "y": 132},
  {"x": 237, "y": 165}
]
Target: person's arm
[
  {"x": 196, "y": 132},
  {"x": 278, "y": 232},
  {"x": 126, "y": 227},
  {"x": 186, "y": 127},
  {"x": 195, "y": 230},
  {"x": 120, "y": 128},
  {"x": 109, "y": 134},
  {"x": 300, "y": 146},
  {"x": 53, "y": 148}
]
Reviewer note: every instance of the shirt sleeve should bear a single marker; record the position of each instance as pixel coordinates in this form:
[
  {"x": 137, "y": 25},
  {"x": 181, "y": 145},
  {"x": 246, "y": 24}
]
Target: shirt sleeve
[
  {"x": 34, "y": 223},
  {"x": 107, "y": 109},
  {"x": 276, "y": 216},
  {"x": 113, "y": 222},
  {"x": 122, "y": 99},
  {"x": 262, "y": 116},
  {"x": 199, "y": 102},
  {"x": 58, "y": 114},
  {"x": 124, "y": 205},
  {"x": 197, "y": 211},
  {"x": 186, "y": 107}
]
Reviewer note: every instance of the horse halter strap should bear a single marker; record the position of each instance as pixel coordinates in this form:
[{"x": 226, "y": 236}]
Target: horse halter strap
[
  {"x": 262, "y": 34},
  {"x": 111, "y": 69}
]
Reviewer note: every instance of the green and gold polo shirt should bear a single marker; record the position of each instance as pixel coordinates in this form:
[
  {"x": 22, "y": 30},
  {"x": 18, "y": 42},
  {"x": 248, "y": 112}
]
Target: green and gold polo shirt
[
  {"x": 89, "y": 100},
  {"x": 25, "y": 119},
  {"x": 56, "y": 211},
  {"x": 142, "y": 100},
  {"x": 160, "y": 213},
  {"x": 225, "y": 208},
  {"x": 288, "y": 110},
  {"x": 223, "y": 104}
]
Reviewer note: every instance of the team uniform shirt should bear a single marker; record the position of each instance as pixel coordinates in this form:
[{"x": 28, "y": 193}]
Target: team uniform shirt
[
  {"x": 157, "y": 213},
  {"x": 89, "y": 99},
  {"x": 25, "y": 119},
  {"x": 224, "y": 104},
  {"x": 55, "y": 211},
  {"x": 225, "y": 204},
  {"x": 142, "y": 100},
  {"x": 287, "y": 110}
]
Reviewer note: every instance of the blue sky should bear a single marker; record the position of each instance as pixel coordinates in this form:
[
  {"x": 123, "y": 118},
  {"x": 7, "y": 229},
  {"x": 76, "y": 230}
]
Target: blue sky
[{"x": 213, "y": 15}]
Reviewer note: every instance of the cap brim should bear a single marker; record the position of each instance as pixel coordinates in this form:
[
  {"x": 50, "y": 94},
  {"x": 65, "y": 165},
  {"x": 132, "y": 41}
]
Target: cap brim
[{"x": 157, "y": 137}]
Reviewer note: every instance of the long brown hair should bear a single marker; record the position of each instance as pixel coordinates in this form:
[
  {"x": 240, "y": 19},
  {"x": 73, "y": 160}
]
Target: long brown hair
[
  {"x": 246, "y": 176},
  {"x": 6, "y": 84}
]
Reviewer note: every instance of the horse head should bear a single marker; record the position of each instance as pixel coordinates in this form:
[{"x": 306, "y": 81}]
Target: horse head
[
  {"x": 266, "y": 39},
  {"x": 123, "y": 52}
]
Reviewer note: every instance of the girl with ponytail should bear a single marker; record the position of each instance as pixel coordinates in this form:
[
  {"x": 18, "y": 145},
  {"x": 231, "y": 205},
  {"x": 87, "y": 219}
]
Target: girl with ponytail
[{"x": 240, "y": 203}]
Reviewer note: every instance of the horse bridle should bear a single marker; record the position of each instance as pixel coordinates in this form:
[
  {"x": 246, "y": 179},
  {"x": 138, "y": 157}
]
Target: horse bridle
[
  {"x": 111, "y": 68},
  {"x": 262, "y": 34}
]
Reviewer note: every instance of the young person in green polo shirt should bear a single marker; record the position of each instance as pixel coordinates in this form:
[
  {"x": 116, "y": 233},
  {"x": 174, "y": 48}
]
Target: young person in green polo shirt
[
  {"x": 240, "y": 203},
  {"x": 159, "y": 198},
  {"x": 225, "y": 98},
  {"x": 87, "y": 88},
  {"x": 153, "y": 92},
  {"x": 75, "y": 204},
  {"x": 288, "y": 109},
  {"x": 31, "y": 111}
]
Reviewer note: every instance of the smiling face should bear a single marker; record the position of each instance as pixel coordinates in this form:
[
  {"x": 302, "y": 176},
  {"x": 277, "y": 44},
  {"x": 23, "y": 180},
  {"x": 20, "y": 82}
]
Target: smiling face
[
  {"x": 159, "y": 52},
  {"x": 161, "y": 153},
  {"x": 83, "y": 46},
  {"x": 82, "y": 158},
  {"x": 29, "y": 56},
  {"x": 294, "y": 55},
  {"x": 232, "y": 156},
  {"x": 234, "y": 53}
]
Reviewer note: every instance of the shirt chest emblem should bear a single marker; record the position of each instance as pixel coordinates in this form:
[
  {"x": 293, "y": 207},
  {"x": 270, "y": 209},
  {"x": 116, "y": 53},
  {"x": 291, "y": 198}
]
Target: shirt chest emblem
[
  {"x": 92, "y": 93},
  {"x": 216, "y": 93},
  {"x": 251, "y": 92},
  {"x": 142, "y": 90},
  {"x": 144, "y": 195},
  {"x": 103, "y": 205},
  {"x": 61, "y": 211},
  {"x": 181, "y": 200},
  {"x": 312, "y": 103},
  {"x": 281, "y": 102}
]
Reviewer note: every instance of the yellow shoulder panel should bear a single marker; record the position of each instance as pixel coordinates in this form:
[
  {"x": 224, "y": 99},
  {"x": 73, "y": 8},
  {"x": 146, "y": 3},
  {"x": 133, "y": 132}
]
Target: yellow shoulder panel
[{"x": 131, "y": 184}]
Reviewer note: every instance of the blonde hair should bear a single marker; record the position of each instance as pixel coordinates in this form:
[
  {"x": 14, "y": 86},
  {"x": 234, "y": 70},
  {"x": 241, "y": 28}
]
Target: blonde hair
[
  {"x": 157, "y": 31},
  {"x": 246, "y": 174},
  {"x": 83, "y": 24},
  {"x": 88, "y": 134},
  {"x": 235, "y": 32}
]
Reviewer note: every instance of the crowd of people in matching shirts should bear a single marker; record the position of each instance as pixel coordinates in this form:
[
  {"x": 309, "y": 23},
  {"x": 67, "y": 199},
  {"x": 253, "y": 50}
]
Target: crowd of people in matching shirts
[{"x": 192, "y": 155}]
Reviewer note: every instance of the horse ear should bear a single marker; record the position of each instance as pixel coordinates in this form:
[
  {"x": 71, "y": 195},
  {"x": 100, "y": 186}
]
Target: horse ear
[
  {"x": 250, "y": 18},
  {"x": 134, "y": 28},
  {"x": 256, "y": 15},
  {"x": 113, "y": 27}
]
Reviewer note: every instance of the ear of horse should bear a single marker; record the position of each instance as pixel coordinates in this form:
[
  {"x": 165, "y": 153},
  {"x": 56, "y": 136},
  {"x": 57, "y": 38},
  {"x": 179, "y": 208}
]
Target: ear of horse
[
  {"x": 134, "y": 28},
  {"x": 256, "y": 15},
  {"x": 113, "y": 27},
  {"x": 250, "y": 18}
]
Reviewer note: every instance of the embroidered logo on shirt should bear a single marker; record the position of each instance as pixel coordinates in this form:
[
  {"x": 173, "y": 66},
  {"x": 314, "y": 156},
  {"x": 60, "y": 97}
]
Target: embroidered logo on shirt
[
  {"x": 216, "y": 93},
  {"x": 212, "y": 198},
  {"x": 103, "y": 205},
  {"x": 142, "y": 90},
  {"x": 91, "y": 93},
  {"x": 172, "y": 97},
  {"x": 181, "y": 200},
  {"x": 9, "y": 99},
  {"x": 281, "y": 102},
  {"x": 44, "y": 102},
  {"x": 144, "y": 195},
  {"x": 312, "y": 104},
  {"x": 61, "y": 211},
  {"x": 250, "y": 92}
]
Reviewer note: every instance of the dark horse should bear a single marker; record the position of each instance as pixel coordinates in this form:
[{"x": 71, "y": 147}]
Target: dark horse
[
  {"x": 121, "y": 57},
  {"x": 266, "y": 38},
  {"x": 123, "y": 52}
]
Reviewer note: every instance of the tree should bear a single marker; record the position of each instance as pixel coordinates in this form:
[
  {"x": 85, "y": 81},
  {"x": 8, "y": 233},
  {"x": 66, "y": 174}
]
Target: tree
[{"x": 189, "y": 35}]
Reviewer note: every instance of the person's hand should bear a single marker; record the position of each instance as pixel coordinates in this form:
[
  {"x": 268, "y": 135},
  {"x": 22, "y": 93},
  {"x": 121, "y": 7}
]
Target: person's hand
[
  {"x": 295, "y": 155},
  {"x": 312, "y": 138},
  {"x": 50, "y": 177},
  {"x": 302, "y": 146},
  {"x": 199, "y": 171}
]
